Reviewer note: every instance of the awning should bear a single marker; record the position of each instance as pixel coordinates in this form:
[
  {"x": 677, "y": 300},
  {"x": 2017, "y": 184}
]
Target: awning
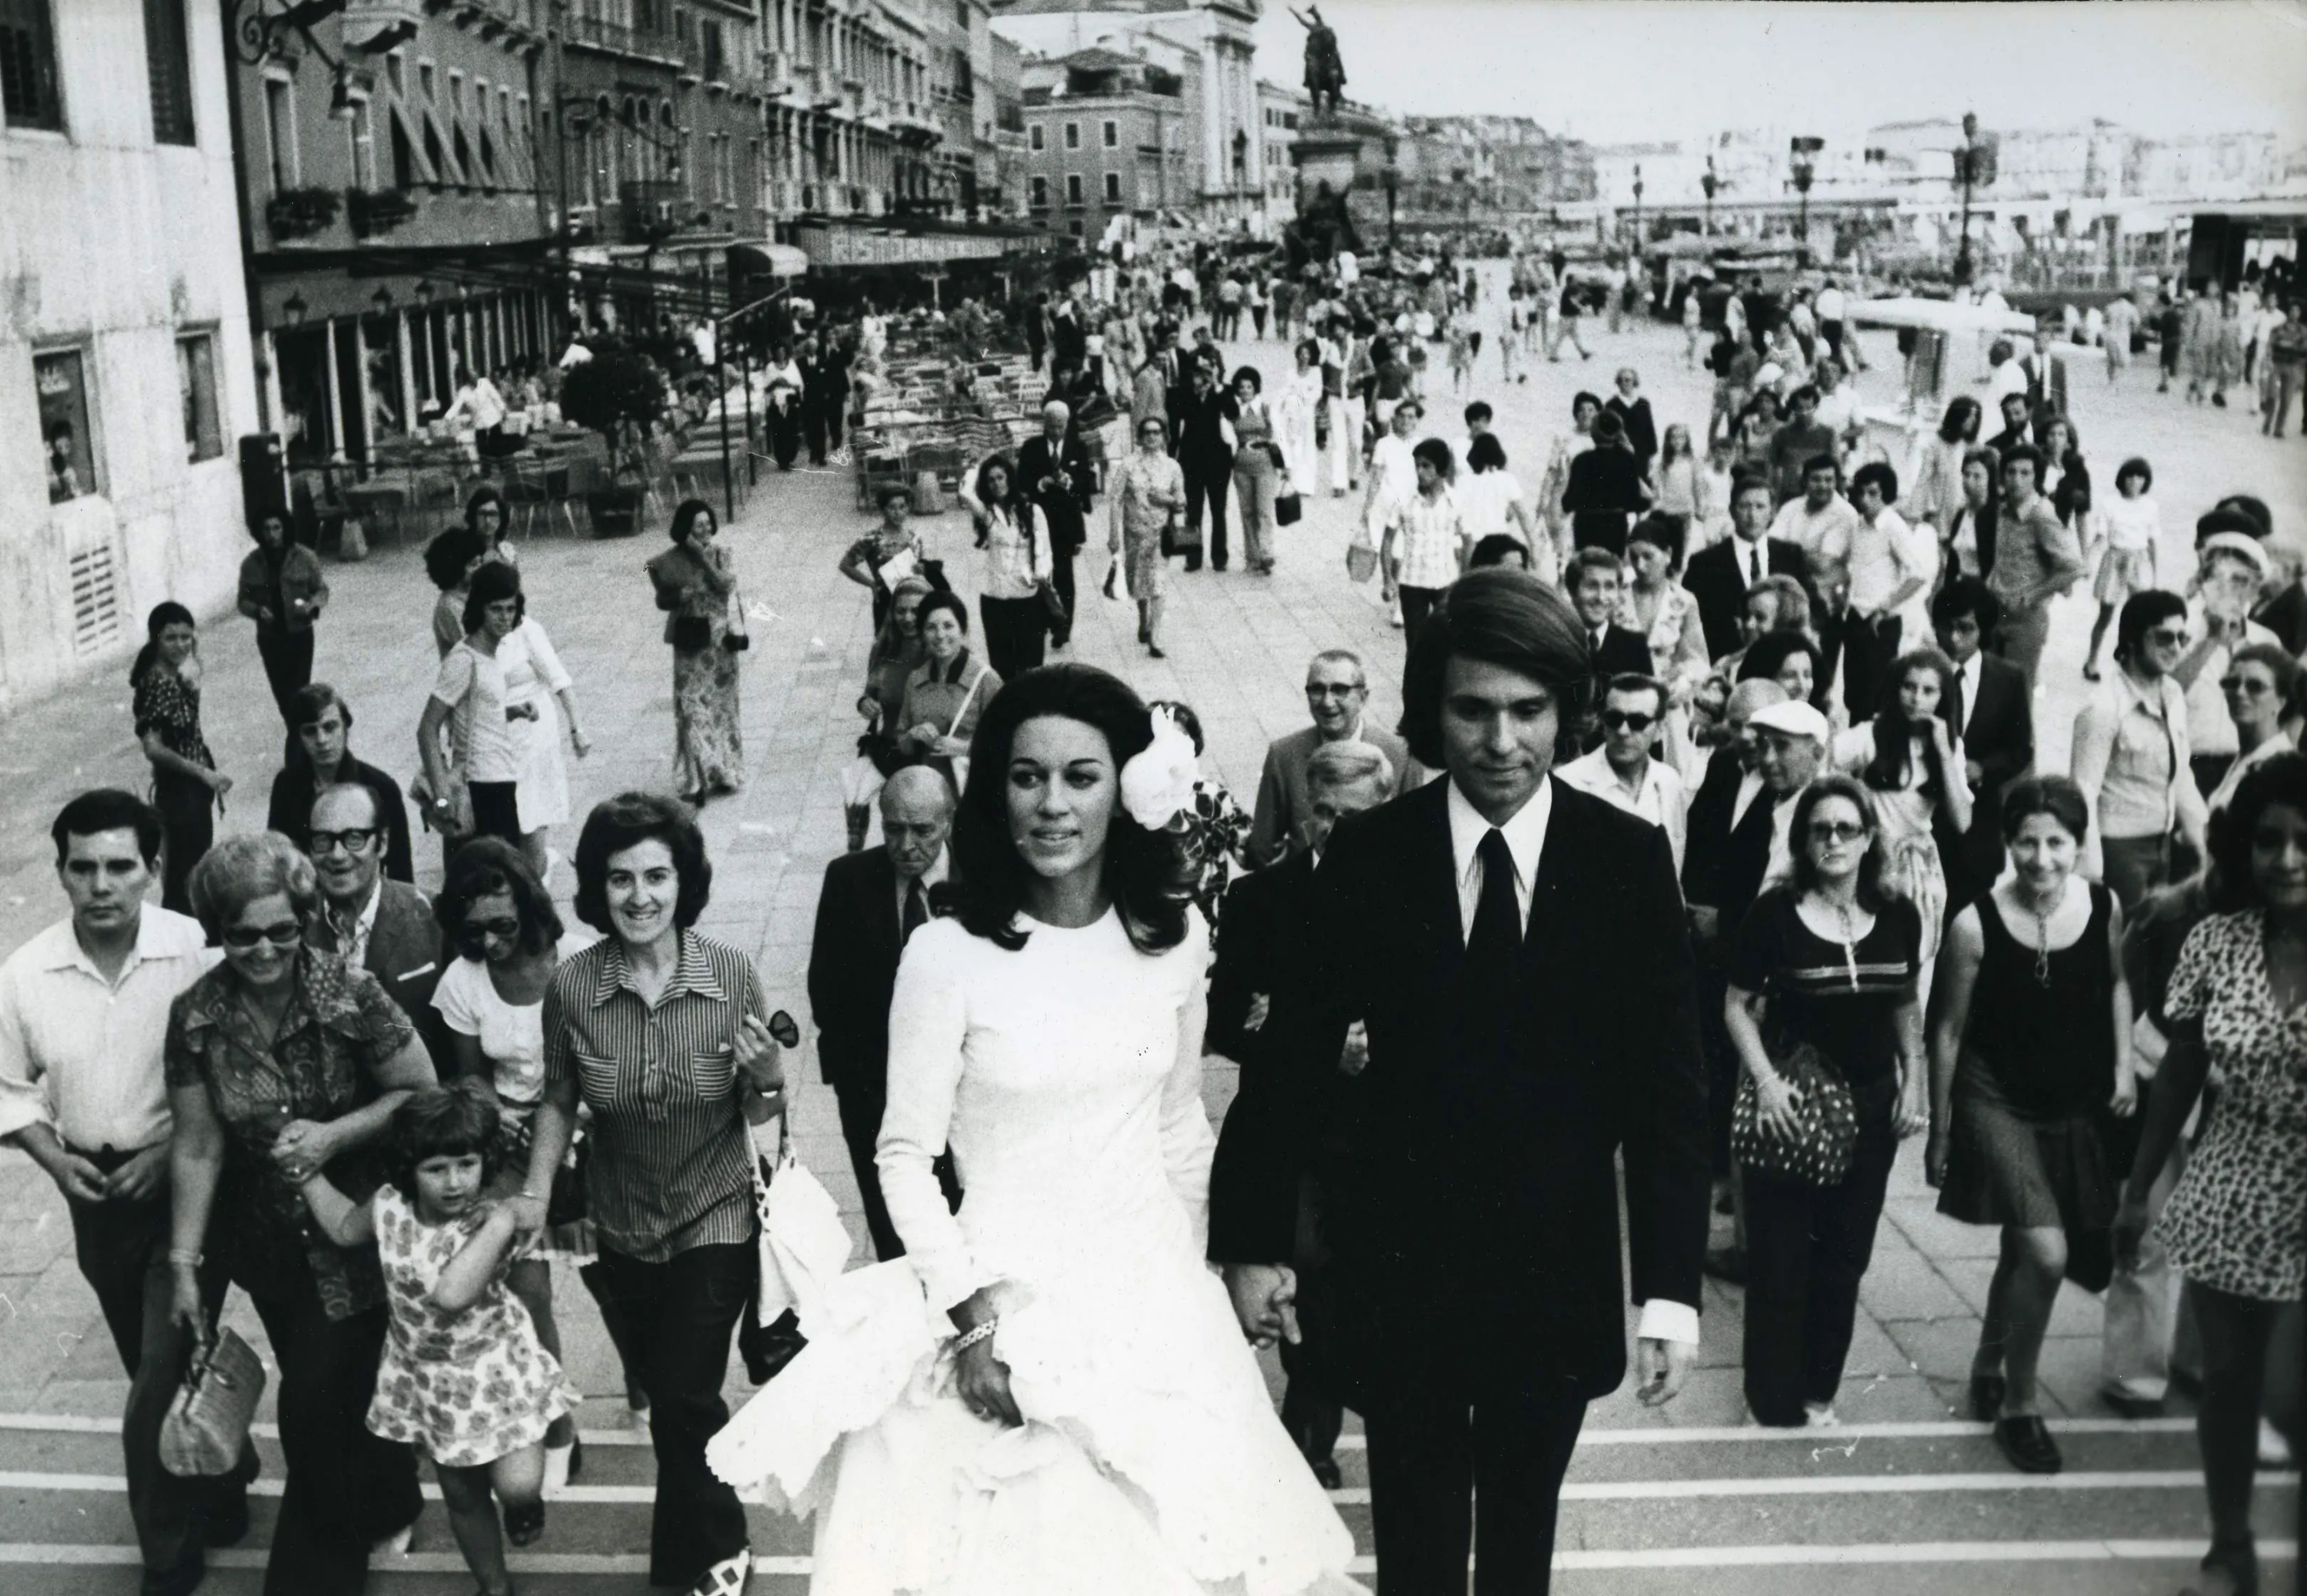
[{"x": 773, "y": 260}]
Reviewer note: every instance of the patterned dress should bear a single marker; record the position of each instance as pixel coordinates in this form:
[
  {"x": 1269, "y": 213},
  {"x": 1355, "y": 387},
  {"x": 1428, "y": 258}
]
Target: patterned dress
[{"x": 468, "y": 1388}]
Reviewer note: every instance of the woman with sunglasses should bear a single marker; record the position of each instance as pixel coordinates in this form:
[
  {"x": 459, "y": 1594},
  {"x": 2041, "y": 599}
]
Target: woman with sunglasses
[
  {"x": 499, "y": 917},
  {"x": 664, "y": 1036},
  {"x": 1837, "y": 959},
  {"x": 2260, "y": 686},
  {"x": 1148, "y": 496},
  {"x": 282, "y": 1061}
]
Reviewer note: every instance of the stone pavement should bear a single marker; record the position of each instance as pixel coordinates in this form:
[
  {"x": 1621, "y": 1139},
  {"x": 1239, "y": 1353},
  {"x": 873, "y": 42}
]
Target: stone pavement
[{"x": 1901, "y": 1487}]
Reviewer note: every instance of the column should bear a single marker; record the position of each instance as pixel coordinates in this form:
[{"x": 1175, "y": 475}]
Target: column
[
  {"x": 336, "y": 399},
  {"x": 408, "y": 367}
]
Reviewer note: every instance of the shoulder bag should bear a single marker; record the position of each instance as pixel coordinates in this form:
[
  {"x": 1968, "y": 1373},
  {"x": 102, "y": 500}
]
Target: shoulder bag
[
  {"x": 1820, "y": 1155},
  {"x": 207, "y": 1425}
]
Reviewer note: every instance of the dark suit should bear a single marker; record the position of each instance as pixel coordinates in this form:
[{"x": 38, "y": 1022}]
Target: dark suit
[
  {"x": 824, "y": 392},
  {"x": 1061, "y": 506},
  {"x": 290, "y": 809},
  {"x": 1208, "y": 466},
  {"x": 2000, "y": 734},
  {"x": 852, "y": 969},
  {"x": 1722, "y": 870},
  {"x": 1468, "y": 1253},
  {"x": 405, "y": 955},
  {"x": 2286, "y": 615},
  {"x": 1623, "y": 652},
  {"x": 1712, "y": 577},
  {"x": 1641, "y": 430}
]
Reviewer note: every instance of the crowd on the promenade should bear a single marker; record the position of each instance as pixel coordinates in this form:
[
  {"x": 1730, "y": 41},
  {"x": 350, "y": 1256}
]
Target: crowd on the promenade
[{"x": 1714, "y": 834}]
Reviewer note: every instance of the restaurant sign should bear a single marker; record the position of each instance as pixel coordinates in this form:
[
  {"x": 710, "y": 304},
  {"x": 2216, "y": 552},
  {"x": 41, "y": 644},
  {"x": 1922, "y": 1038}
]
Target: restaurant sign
[{"x": 834, "y": 243}]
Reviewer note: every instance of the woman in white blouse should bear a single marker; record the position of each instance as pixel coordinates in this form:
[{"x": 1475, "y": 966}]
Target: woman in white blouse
[
  {"x": 1010, "y": 593},
  {"x": 1294, "y": 410},
  {"x": 496, "y": 697}
]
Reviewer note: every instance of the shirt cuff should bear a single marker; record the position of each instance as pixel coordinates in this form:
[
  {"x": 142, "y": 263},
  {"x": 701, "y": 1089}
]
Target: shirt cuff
[{"x": 1663, "y": 1320}]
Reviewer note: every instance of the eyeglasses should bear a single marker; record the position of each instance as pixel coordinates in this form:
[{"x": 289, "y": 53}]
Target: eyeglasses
[
  {"x": 504, "y": 927},
  {"x": 1314, "y": 690},
  {"x": 1624, "y": 720},
  {"x": 2170, "y": 637},
  {"x": 1836, "y": 831},
  {"x": 351, "y": 841},
  {"x": 2249, "y": 686},
  {"x": 287, "y": 934}
]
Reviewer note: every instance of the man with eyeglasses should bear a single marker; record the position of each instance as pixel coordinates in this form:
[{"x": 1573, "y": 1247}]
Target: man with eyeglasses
[
  {"x": 1621, "y": 772},
  {"x": 2132, "y": 757},
  {"x": 383, "y": 926},
  {"x": 1337, "y": 695},
  {"x": 83, "y": 1015}
]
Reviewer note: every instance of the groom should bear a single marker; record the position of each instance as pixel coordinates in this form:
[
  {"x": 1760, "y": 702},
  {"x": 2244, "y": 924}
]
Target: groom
[{"x": 1507, "y": 1002}]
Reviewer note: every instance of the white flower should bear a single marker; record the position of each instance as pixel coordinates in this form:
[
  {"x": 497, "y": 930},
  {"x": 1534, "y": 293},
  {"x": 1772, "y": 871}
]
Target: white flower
[{"x": 1157, "y": 784}]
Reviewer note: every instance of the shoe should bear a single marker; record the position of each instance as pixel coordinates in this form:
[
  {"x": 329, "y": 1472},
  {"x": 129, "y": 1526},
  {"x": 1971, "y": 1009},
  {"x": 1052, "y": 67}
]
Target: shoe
[
  {"x": 2273, "y": 1451},
  {"x": 1327, "y": 1473},
  {"x": 1727, "y": 1264},
  {"x": 725, "y": 1578},
  {"x": 395, "y": 1544},
  {"x": 1986, "y": 1394},
  {"x": 2026, "y": 1440},
  {"x": 524, "y": 1524},
  {"x": 182, "y": 1580},
  {"x": 2091, "y": 672},
  {"x": 2130, "y": 1403},
  {"x": 226, "y": 1525},
  {"x": 2220, "y": 399},
  {"x": 1154, "y": 649},
  {"x": 1821, "y": 1415},
  {"x": 1217, "y": 565},
  {"x": 2239, "y": 1562}
]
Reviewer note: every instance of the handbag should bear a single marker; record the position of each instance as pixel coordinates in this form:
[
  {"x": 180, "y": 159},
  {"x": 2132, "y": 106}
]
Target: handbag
[
  {"x": 692, "y": 632},
  {"x": 1820, "y": 1155},
  {"x": 737, "y": 638},
  {"x": 1288, "y": 505},
  {"x": 1361, "y": 561},
  {"x": 206, "y": 1429}
]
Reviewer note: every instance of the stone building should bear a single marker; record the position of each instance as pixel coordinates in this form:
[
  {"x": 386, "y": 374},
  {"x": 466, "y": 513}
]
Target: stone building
[{"x": 1107, "y": 135}]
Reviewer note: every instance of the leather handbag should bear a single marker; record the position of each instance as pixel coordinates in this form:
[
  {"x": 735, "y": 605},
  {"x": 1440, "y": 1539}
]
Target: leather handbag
[
  {"x": 1288, "y": 507},
  {"x": 207, "y": 1425},
  {"x": 1820, "y": 1155},
  {"x": 691, "y": 634}
]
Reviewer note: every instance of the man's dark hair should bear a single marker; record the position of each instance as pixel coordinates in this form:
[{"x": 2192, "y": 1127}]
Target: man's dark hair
[
  {"x": 1479, "y": 410},
  {"x": 1636, "y": 682},
  {"x": 2141, "y": 614},
  {"x": 1965, "y": 595},
  {"x": 1805, "y": 392},
  {"x": 310, "y": 701},
  {"x": 1503, "y": 617},
  {"x": 2022, "y": 451},
  {"x": 108, "y": 809},
  {"x": 1498, "y": 548},
  {"x": 1821, "y": 462},
  {"x": 629, "y": 819},
  {"x": 1879, "y": 473}
]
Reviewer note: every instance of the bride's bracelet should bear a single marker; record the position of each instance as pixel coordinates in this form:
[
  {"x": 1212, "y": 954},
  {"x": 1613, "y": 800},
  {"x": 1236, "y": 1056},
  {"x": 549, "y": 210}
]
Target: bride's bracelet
[{"x": 982, "y": 1332}]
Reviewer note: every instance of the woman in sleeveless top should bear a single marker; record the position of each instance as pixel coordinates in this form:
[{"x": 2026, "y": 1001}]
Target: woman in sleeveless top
[{"x": 2032, "y": 1047}]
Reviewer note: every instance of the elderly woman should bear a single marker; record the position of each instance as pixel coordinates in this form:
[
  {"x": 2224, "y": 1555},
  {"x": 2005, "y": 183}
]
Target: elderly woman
[
  {"x": 662, "y": 1034},
  {"x": 947, "y": 691},
  {"x": 2237, "y": 1227},
  {"x": 1256, "y": 468},
  {"x": 282, "y": 1062},
  {"x": 284, "y": 592},
  {"x": 695, "y": 584},
  {"x": 322, "y": 723}
]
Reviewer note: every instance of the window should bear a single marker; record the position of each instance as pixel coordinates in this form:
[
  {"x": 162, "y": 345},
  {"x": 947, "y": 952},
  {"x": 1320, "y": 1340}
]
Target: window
[
  {"x": 196, "y": 380},
  {"x": 1113, "y": 188},
  {"x": 360, "y": 130},
  {"x": 396, "y": 71},
  {"x": 1040, "y": 193},
  {"x": 60, "y": 382},
  {"x": 1034, "y": 140},
  {"x": 425, "y": 83},
  {"x": 1073, "y": 188},
  {"x": 167, "y": 60},
  {"x": 961, "y": 14},
  {"x": 1073, "y": 135},
  {"x": 281, "y": 131},
  {"x": 1112, "y": 134},
  {"x": 28, "y": 66}
]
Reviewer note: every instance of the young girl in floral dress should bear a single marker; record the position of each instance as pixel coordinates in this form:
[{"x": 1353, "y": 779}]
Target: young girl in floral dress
[{"x": 463, "y": 1376}]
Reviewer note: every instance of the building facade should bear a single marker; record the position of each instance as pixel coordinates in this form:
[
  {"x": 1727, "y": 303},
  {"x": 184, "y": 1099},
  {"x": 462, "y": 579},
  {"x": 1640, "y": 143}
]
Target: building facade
[
  {"x": 124, "y": 373},
  {"x": 852, "y": 123},
  {"x": 1281, "y": 112},
  {"x": 1107, "y": 136}
]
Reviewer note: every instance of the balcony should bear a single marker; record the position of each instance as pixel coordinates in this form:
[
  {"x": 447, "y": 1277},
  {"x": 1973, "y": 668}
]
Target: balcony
[
  {"x": 633, "y": 44},
  {"x": 778, "y": 67},
  {"x": 825, "y": 90}
]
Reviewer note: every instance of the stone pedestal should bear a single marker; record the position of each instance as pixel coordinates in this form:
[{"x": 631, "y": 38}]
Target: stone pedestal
[{"x": 1352, "y": 164}]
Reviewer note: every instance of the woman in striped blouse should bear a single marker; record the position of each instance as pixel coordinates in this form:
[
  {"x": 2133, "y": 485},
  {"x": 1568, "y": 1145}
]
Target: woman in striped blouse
[{"x": 663, "y": 1033}]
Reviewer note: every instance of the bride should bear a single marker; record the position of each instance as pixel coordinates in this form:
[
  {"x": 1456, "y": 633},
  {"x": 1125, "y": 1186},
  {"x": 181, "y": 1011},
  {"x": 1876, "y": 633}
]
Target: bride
[{"x": 1049, "y": 1392}]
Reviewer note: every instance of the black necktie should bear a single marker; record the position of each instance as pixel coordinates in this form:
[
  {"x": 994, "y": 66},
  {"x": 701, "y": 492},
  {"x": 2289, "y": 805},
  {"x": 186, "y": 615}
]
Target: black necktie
[
  {"x": 1961, "y": 681},
  {"x": 1754, "y": 552},
  {"x": 1496, "y": 939},
  {"x": 1597, "y": 654},
  {"x": 917, "y": 911}
]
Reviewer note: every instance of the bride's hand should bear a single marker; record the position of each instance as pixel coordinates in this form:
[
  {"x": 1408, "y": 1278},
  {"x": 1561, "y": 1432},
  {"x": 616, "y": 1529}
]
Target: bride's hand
[{"x": 983, "y": 1382}]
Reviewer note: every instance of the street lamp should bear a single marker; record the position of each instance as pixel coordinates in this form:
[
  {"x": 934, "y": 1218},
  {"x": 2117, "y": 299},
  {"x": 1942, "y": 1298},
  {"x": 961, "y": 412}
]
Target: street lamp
[
  {"x": 1709, "y": 183},
  {"x": 1638, "y": 207},
  {"x": 1393, "y": 183},
  {"x": 1966, "y": 167},
  {"x": 1801, "y": 153}
]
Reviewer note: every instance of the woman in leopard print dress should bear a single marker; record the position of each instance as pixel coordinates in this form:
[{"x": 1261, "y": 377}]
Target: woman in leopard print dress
[{"x": 2237, "y": 1227}]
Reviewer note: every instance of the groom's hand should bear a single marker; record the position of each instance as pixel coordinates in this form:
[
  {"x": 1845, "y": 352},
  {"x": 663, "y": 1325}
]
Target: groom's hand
[
  {"x": 1265, "y": 1301},
  {"x": 1664, "y": 1365}
]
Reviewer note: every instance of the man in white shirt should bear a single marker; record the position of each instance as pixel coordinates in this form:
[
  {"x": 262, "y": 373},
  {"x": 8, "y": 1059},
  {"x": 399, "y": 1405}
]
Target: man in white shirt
[
  {"x": 1892, "y": 568},
  {"x": 1622, "y": 770},
  {"x": 1832, "y": 306},
  {"x": 1838, "y": 406},
  {"x": 1820, "y": 523},
  {"x": 83, "y": 1018},
  {"x": 1790, "y": 744}
]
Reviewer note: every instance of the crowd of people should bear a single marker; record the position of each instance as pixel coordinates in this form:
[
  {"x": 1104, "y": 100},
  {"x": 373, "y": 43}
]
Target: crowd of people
[{"x": 1715, "y": 806}]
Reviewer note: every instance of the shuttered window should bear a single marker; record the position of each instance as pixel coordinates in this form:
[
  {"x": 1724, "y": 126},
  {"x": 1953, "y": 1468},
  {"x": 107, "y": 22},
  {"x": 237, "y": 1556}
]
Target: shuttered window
[
  {"x": 28, "y": 66},
  {"x": 167, "y": 60}
]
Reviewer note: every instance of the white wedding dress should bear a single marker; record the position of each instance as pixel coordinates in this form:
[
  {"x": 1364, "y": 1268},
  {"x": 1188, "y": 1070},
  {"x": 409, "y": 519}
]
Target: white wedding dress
[{"x": 1067, "y": 1077}]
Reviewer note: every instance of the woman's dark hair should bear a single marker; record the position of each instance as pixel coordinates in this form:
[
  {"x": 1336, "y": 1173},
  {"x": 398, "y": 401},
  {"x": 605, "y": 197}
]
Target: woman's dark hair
[
  {"x": 2136, "y": 466},
  {"x": 1607, "y": 429},
  {"x": 1499, "y": 548},
  {"x": 1485, "y": 453},
  {"x": 256, "y": 518},
  {"x": 943, "y": 599},
  {"x": 1961, "y": 421},
  {"x": 1979, "y": 454},
  {"x": 1662, "y": 532},
  {"x": 627, "y": 821},
  {"x": 1249, "y": 373},
  {"x": 1767, "y": 656},
  {"x": 448, "y": 554},
  {"x": 2288, "y": 677},
  {"x": 1880, "y": 474},
  {"x": 493, "y": 583},
  {"x": 487, "y": 865},
  {"x": 2141, "y": 614},
  {"x": 1500, "y": 617},
  {"x": 1144, "y": 869},
  {"x": 2048, "y": 419},
  {"x": 2282, "y": 779},
  {"x": 442, "y": 1122},
  {"x": 2053, "y": 795},
  {"x": 1583, "y": 398},
  {"x": 1835, "y": 785},
  {"x": 486, "y": 494},
  {"x": 1887, "y": 771},
  {"x": 982, "y": 485},
  {"x": 1965, "y": 595},
  {"x": 685, "y": 518},
  {"x": 1183, "y": 714},
  {"x": 1306, "y": 345},
  {"x": 166, "y": 614},
  {"x": 1436, "y": 454}
]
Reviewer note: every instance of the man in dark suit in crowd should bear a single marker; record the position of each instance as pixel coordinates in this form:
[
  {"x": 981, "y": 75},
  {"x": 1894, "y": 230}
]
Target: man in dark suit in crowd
[
  {"x": 1261, "y": 1008},
  {"x": 386, "y": 927},
  {"x": 824, "y": 392},
  {"x": 870, "y": 902},
  {"x": 1720, "y": 576},
  {"x": 1994, "y": 717},
  {"x": 1593, "y": 579},
  {"x": 1337, "y": 695},
  {"x": 1205, "y": 457},
  {"x": 1053, "y": 469},
  {"x": 1514, "y": 950}
]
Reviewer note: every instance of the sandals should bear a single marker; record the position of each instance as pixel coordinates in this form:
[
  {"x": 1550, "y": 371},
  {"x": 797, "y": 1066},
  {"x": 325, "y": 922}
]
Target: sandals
[
  {"x": 524, "y": 1524},
  {"x": 725, "y": 1578}
]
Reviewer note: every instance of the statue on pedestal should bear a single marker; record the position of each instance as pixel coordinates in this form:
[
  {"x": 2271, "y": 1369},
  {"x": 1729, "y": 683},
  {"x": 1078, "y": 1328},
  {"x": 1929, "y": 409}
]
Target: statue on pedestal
[{"x": 1326, "y": 72}]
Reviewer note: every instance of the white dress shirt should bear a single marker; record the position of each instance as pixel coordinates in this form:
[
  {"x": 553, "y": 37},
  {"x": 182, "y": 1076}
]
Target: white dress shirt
[
  {"x": 1525, "y": 835},
  {"x": 82, "y": 1054},
  {"x": 1658, "y": 799}
]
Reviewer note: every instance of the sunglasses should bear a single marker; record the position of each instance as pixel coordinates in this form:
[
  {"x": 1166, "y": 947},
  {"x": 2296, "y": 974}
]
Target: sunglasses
[
  {"x": 2169, "y": 637},
  {"x": 352, "y": 841},
  {"x": 2249, "y": 686},
  {"x": 1623, "y": 720},
  {"x": 473, "y": 933},
  {"x": 287, "y": 934},
  {"x": 1836, "y": 831}
]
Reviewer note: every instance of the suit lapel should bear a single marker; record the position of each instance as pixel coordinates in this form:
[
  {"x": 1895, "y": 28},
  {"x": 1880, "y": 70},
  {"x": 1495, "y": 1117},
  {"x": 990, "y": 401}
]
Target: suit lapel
[
  {"x": 881, "y": 913},
  {"x": 1542, "y": 931},
  {"x": 1434, "y": 881}
]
